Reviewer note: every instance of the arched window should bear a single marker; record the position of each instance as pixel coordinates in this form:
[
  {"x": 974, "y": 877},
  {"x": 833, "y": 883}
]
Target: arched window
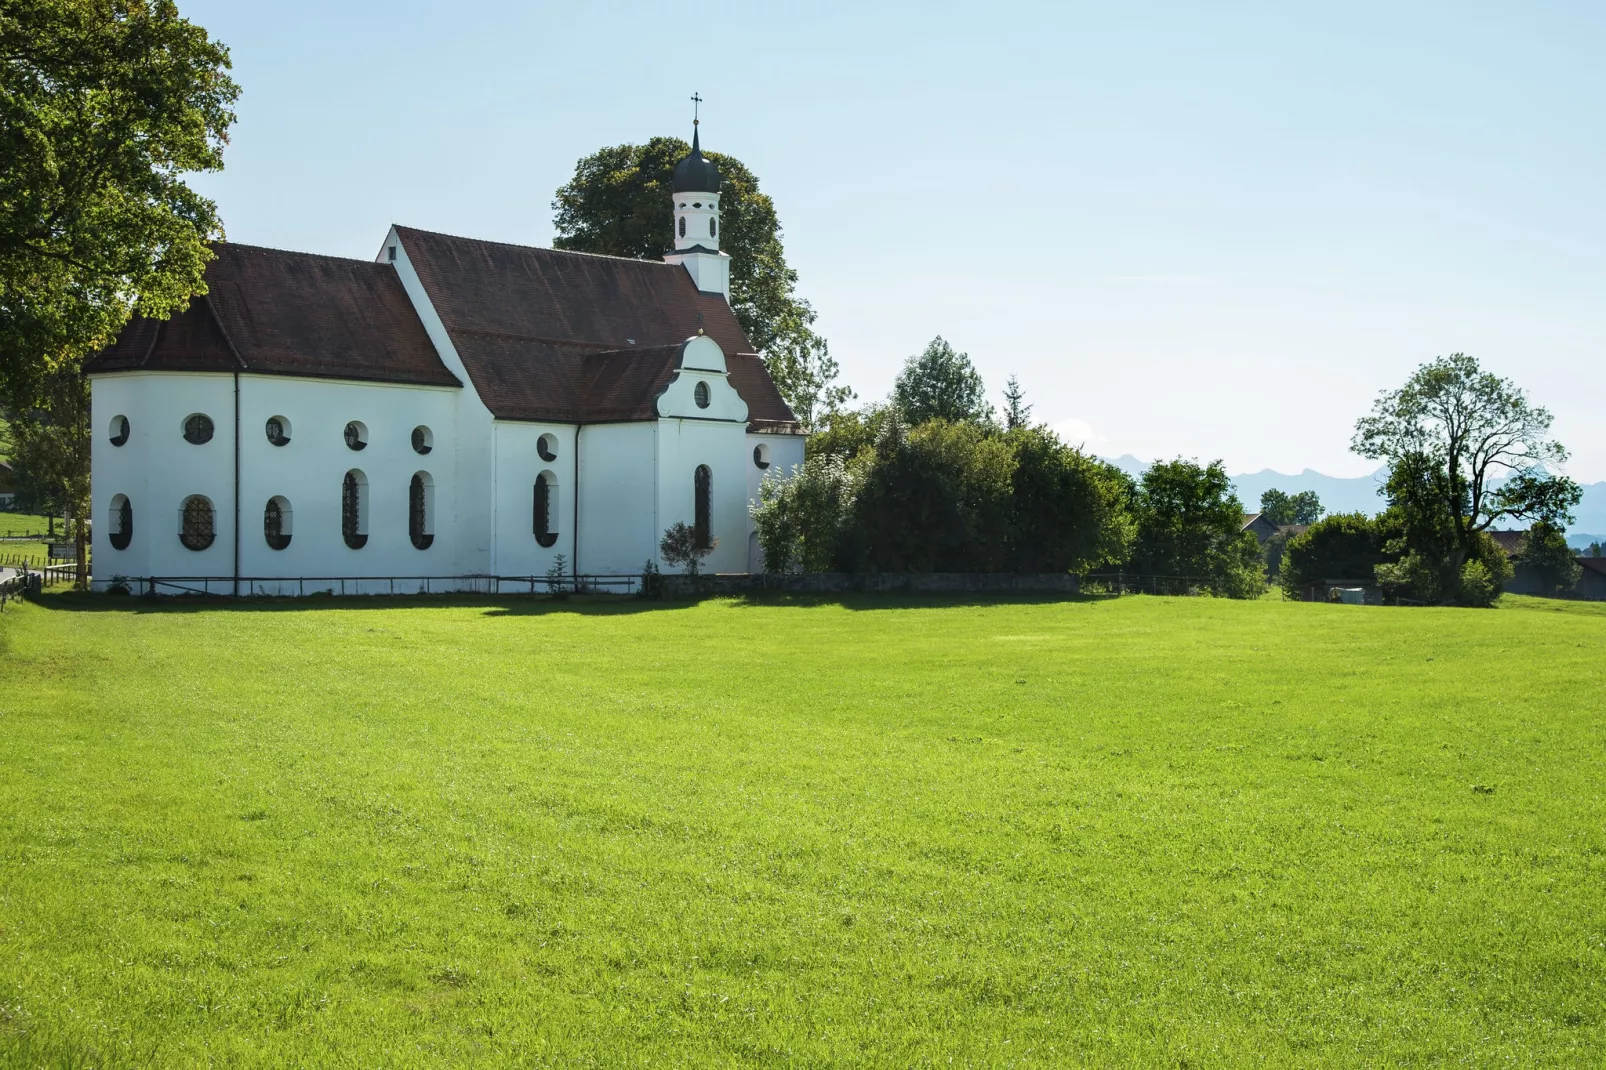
[
  {"x": 700, "y": 394},
  {"x": 354, "y": 509},
  {"x": 278, "y": 430},
  {"x": 122, "y": 522},
  {"x": 197, "y": 428},
  {"x": 419, "y": 495},
  {"x": 703, "y": 487},
  {"x": 682, "y": 226},
  {"x": 197, "y": 522},
  {"x": 423, "y": 439},
  {"x": 546, "y": 502},
  {"x": 119, "y": 430},
  {"x": 713, "y": 231},
  {"x": 276, "y": 522},
  {"x": 356, "y": 434}
]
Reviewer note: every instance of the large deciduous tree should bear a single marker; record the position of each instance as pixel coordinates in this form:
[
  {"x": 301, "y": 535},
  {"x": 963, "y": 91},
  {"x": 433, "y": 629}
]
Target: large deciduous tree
[
  {"x": 1468, "y": 449},
  {"x": 619, "y": 203},
  {"x": 1190, "y": 525},
  {"x": 940, "y": 384},
  {"x": 105, "y": 107}
]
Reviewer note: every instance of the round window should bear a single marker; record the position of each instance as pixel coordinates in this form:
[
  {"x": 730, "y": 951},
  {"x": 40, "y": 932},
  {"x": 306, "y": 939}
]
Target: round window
[
  {"x": 356, "y": 435},
  {"x": 278, "y": 430},
  {"x": 423, "y": 439},
  {"x": 119, "y": 430},
  {"x": 761, "y": 456},
  {"x": 547, "y": 447},
  {"x": 197, "y": 428},
  {"x": 700, "y": 395}
]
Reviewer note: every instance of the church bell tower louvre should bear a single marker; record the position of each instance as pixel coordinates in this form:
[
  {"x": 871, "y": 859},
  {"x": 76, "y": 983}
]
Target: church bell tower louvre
[{"x": 696, "y": 202}]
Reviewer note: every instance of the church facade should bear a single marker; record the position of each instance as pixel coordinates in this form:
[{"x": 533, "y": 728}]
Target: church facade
[{"x": 454, "y": 408}]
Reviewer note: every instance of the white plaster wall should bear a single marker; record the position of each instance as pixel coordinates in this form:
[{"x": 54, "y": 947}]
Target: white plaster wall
[
  {"x": 619, "y": 524},
  {"x": 158, "y": 469},
  {"x": 309, "y": 471},
  {"x": 518, "y": 462}
]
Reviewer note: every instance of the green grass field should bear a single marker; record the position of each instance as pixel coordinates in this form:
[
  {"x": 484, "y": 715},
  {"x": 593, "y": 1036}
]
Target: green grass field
[{"x": 1165, "y": 832}]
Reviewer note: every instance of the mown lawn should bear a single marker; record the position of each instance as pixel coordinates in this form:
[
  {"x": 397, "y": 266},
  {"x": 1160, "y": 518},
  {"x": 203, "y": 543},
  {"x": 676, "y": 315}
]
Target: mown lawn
[{"x": 1168, "y": 832}]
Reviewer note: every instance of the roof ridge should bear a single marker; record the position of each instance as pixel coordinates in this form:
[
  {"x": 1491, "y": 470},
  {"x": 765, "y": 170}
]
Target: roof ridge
[
  {"x": 532, "y": 248},
  {"x": 247, "y": 247}
]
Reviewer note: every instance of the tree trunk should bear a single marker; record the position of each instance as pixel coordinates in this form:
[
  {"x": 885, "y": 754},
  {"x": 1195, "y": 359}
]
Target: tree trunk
[{"x": 82, "y": 538}]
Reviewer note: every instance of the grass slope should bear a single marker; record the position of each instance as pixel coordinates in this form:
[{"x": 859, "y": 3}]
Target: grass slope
[{"x": 1145, "y": 831}]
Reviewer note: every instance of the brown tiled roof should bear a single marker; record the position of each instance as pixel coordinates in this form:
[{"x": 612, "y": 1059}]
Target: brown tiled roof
[
  {"x": 547, "y": 334},
  {"x": 1593, "y": 564},
  {"x": 1509, "y": 541},
  {"x": 286, "y": 313}
]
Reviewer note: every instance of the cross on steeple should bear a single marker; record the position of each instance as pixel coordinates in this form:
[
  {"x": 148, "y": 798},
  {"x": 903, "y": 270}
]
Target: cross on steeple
[{"x": 696, "y": 102}]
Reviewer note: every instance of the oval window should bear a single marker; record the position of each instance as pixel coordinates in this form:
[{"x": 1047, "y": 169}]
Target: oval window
[
  {"x": 276, "y": 522},
  {"x": 197, "y": 428},
  {"x": 278, "y": 430},
  {"x": 713, "y": 229},
  {"x": 547, "y": 447},
  {"x": 419, "y": 494},
  {"x": 122, "y": 518},
  {"x": 356, "y": 434},
  {"x": 119, "y": 430},
  {"x": 761, "y": 456},
  {"x": 700, "y": 395},
  {"x": 423, "y": 439},
  {"x": 197, "y": 522},
  {"x": 682, "y": 226},
  {"x": 354, "y": 509}
]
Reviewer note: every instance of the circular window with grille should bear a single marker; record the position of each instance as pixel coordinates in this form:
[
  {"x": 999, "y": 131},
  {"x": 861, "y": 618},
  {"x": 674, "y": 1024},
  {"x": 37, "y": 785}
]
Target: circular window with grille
[
  {"x": 119, "y": 430},
  {"x": 423, "y": 439},
  {"x": 197, "y": 428},
  {"x": 278, "y": 430},
  {"x": 356, "y": 435},
  {"x": 700, "y": 395}
]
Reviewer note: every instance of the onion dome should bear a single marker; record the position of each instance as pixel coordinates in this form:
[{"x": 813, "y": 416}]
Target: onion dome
[{"x": 696, "y": 173}]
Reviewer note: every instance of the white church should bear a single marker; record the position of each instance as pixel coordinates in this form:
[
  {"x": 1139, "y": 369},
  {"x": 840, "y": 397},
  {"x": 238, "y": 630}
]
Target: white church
[{"x": 454, "y": 408}]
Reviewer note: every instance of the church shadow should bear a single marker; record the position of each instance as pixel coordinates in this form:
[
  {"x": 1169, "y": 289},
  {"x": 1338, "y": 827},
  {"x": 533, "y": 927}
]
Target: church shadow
[
  {"x": 493, "y": 605},
  {"x": 543, "y": 605}
]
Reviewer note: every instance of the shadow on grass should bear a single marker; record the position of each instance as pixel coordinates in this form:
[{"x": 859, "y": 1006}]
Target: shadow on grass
[{"x": 542, "y": 605}]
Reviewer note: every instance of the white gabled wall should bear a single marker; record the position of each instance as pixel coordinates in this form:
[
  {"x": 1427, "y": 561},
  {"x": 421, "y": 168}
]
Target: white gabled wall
[{"x": 475, "y": 455}]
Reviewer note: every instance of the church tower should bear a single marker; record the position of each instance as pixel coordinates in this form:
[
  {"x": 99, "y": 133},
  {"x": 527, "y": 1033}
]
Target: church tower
[{"x": 696, "y": 200}]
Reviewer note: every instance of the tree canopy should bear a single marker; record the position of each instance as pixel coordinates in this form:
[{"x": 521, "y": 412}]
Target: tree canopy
[
  {"x": 1461, "y": 429},
  {"x": 940, "y": 384},
  {"x": 1190, "y": 524},
  {"x": 619, "y": 202},
  {"x": 105, "y": 106},
  {"x": 1282, "y": 508}
]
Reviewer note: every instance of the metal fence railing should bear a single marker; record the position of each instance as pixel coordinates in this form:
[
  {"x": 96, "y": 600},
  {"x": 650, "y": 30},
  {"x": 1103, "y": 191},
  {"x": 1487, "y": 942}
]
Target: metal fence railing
[{"x": 347, "y": 586}]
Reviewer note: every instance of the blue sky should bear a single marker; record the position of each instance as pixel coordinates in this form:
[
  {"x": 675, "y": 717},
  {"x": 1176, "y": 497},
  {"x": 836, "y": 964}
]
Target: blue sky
[{"x": 1201, "y": 230}]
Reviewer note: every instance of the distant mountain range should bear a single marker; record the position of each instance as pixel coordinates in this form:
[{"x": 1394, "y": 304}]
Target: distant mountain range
[{"x": 1359, "y": 494}]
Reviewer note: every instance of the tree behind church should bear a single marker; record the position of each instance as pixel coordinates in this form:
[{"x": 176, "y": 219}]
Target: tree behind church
[{"x": 619, "y": 203}]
